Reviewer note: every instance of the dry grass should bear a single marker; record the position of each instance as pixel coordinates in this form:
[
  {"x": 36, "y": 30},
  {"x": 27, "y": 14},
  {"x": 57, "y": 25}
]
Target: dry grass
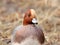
[{"x": 48, "y": 15}]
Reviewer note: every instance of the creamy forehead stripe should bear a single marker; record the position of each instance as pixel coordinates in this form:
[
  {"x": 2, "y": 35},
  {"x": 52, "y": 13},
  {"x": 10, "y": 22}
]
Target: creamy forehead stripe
[{"x": 33, "y": 11}]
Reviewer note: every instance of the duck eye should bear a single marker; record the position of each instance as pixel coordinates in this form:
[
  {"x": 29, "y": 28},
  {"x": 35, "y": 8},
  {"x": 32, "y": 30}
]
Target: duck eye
[{"x": 29, "y": 15}]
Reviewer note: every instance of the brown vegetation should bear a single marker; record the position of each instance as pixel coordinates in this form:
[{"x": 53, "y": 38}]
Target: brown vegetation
[{"x": 48, "y": 15}]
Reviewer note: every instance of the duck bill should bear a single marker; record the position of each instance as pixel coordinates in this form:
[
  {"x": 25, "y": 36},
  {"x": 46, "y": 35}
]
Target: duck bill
[{"x": 34, "y": 21}]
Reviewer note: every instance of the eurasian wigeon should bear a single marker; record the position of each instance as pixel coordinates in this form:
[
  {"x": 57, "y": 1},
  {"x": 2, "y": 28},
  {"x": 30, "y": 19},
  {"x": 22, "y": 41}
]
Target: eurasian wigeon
[{"x": 29, "y": 33}]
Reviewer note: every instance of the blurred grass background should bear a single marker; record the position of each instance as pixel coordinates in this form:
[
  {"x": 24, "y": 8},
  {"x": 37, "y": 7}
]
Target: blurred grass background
[{"x": 48, "y": 14}]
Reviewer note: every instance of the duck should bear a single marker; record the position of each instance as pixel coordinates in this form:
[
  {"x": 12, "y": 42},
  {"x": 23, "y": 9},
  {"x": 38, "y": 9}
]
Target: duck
[{"x": 29, "y": 33}]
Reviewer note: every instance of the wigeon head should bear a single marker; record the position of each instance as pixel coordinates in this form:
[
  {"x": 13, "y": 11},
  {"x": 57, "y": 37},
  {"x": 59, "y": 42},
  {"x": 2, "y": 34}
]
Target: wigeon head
[{"x": 30, "y": 17}]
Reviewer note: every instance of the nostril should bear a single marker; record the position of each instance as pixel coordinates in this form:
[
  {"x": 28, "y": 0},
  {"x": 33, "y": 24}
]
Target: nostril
[{"x": 37, "y": 23}]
